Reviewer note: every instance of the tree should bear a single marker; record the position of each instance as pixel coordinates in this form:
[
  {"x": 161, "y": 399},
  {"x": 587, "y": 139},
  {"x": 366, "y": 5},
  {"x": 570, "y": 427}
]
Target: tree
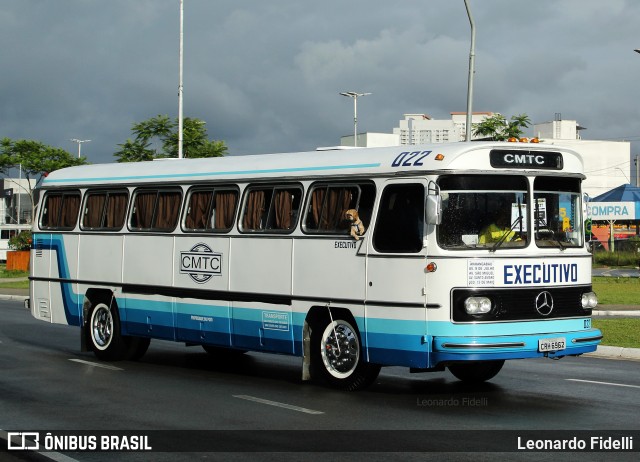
[
  {"x": 497, "y": 128},
  {"x": 35, "y": 160},
  {"x": 161, "y": 132}
]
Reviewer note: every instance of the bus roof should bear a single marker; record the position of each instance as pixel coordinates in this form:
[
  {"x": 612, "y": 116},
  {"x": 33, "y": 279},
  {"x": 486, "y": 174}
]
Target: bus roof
[{"x": 312, "y": 164}]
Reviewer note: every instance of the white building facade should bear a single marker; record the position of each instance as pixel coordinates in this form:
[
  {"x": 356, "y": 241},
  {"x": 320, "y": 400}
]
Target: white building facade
[
  {"x": 15, "y": 206},
  {"x": 607, "y": 164},
  {"x": 422, "y": 129}
]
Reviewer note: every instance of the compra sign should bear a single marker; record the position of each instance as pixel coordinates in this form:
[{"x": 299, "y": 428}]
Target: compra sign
[
  {"x": 201, "y": 263},
  {"x": 611, "y": 210}
]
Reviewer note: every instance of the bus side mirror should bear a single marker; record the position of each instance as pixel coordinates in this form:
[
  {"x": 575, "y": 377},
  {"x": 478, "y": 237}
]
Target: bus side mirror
[{"x": 434, "y": 209}]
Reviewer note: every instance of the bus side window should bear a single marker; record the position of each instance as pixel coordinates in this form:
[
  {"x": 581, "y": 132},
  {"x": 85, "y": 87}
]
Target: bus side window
[
  {"x": 271, "y": 209},
  {"x": 61, "y": 210},
  {"x": 105, "y": 210},
  {"x": 211, "y": 209},
  {"x": 327, "y": 204},
  {"x": 155, "y": 210},
  {"x": 400, "y": 224}
]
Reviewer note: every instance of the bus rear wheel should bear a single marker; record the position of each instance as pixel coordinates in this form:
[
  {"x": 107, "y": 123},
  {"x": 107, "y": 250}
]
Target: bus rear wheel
[
  {"x": 337, "y": 356},
  {"x": 476, "y": 372},
  {"x": 106, "y": 340}
]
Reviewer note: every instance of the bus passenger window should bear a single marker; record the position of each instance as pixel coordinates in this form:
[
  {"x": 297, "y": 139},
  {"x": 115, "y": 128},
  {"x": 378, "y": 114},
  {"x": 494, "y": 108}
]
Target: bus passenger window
[
  {"x": 272, "y": 209},
  {"x": 105, "y": 210},
  {"x": 400, "y": 224},
  {"x": 60, "y": 210},
  {"x": 328, "y": 203},
  {"x": 155, "y": 210},
  {"x": 211, "y": 210}
]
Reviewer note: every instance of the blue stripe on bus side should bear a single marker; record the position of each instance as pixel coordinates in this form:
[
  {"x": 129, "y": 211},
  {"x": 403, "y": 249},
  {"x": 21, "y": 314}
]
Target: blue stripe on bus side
[
  {"x": 387, "y": 341},
  {"x": 72, "y": 302},
  {"x": 49, "y": 181}
]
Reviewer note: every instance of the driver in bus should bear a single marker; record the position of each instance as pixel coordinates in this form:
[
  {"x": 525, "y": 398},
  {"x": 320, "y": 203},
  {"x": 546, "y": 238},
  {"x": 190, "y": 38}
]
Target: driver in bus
[{"x": 500, "y": 226}]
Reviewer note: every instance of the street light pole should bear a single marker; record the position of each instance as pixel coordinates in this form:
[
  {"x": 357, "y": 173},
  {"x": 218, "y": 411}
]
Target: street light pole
[
  {"x": 180, "y": 84},
  {"x": 79, "y": 144},
  {"x": 472, "y": 57},
  {"x": 354, "y": 95}
]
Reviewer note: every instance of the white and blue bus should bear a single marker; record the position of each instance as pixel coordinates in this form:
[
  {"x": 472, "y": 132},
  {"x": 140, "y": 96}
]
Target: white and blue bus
[{"x": 255, "y": 253}]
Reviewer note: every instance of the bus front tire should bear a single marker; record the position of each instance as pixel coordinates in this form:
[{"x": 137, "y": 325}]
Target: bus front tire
[
  {"x": 337, "y": 356},
  {"x": 476, "y": 372},
  {"x": 106, "y": 340}
]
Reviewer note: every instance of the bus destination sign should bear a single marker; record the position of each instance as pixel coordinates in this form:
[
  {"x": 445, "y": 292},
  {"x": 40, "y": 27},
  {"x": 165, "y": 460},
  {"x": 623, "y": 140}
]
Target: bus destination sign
[{"x": 507, "y": 158}]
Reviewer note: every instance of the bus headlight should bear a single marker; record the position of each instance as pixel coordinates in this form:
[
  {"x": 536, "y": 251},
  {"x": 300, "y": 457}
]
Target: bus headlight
[
  {"x": 477, "y": 305},
  {"x": 589, "y": 300}
]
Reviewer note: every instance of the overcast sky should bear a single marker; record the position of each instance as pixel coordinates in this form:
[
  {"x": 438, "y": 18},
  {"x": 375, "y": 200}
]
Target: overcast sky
[{"x": 266, "y": 75}]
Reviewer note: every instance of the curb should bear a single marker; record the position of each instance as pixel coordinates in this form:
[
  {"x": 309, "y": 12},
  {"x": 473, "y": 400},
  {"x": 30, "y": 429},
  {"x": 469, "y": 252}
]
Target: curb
[
  {"x": 14, "y": 297},
  {"x": 616, "y": 353},
  {"x": 615, "y": 313}
]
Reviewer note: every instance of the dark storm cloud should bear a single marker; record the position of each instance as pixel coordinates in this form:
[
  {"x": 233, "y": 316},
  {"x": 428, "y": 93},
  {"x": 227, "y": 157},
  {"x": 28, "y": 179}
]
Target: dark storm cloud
[{"x": 265, "y": 76}]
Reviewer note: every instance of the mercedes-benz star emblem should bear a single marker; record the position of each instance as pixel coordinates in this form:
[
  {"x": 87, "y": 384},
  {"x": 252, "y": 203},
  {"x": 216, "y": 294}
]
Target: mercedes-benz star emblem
[{"x": 544, "y": 303}]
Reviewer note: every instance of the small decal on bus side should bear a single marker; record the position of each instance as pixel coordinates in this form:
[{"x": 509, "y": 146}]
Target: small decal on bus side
[
  {"x": 410, "y": 159},
  {"x": 275, "y": 320}
]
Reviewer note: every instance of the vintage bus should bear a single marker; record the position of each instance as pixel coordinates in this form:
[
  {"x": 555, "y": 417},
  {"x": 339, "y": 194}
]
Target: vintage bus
[{"x": 255, "y": 253}]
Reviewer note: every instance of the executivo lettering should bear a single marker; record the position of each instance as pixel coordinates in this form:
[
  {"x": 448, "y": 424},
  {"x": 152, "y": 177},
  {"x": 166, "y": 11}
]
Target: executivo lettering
[{"x": 541, "y": 273}]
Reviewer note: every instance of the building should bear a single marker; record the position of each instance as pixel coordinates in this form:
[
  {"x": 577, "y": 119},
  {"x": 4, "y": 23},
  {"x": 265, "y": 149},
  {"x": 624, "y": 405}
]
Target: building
[
  {"x": 422, "y": 129},
  {"x": 371, "y": 140},
  {"x": 607, "y": 164},
  {"x": 15, "y": 201}
]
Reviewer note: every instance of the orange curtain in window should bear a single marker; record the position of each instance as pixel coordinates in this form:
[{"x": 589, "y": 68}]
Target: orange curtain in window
[
  {"x": 283, "y": 203},
  {"x": 225, "y": 209},
  {"x": 197, "y": 218},
  {"x": 167, "y": 210},
  {"x": 317, "y": 203},
  {"x": 70, "y": 209},
  {"x": 255, "y": 210},
  {"x": 93, "y": 211},
  {"x": 53, "y": 207},
  {"x": 144, "y": 204},
  {"x": 116, "y": 210}
]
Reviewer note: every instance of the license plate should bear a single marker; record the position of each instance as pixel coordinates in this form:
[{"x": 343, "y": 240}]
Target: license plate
[{"x": 552, "y": 344}]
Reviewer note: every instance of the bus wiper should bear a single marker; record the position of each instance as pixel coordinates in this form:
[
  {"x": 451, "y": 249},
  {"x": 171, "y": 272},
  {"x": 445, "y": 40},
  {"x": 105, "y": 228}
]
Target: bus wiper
[
  {"x": 556, "y": 239},
  {"x": 539, "y": 221},
  {"x": 518, "y": 221},
  {"x": 503, "y": 238}
]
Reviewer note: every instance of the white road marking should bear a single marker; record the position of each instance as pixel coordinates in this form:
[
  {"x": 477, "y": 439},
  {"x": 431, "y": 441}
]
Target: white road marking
[
  {"x": 89, "y": 363},
  {"x": 277, "y": 404},
  {"x": 605, "y": 383}
]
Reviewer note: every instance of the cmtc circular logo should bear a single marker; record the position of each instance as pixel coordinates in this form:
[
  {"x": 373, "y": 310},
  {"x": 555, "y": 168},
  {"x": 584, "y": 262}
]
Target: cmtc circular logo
[{"x": 201, "y": 263}]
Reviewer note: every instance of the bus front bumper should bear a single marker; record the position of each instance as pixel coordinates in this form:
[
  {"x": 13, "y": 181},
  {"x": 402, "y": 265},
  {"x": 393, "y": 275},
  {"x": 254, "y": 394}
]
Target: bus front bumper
[{"x": 551, "y": 345}]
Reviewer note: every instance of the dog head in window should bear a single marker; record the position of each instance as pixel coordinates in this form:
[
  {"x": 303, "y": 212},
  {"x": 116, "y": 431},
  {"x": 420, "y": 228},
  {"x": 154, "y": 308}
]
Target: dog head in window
[{"x": 357, "y": 228}]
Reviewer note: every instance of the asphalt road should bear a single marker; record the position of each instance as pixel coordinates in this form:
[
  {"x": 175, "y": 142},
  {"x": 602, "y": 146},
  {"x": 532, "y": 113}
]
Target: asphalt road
[{"x": 182, "y": 398}]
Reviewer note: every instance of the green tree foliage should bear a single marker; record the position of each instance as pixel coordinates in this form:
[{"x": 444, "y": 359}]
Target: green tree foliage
[
  {"x": 497, "y": 128},
  {"x": 35, "y": 159},
  {"x": 162, "y": 133}
]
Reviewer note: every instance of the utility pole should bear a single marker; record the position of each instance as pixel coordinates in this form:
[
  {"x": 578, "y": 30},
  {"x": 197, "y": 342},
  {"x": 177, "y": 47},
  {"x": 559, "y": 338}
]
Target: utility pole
[
  {"x": 472, "y": 56},
  {"x": 180, "y": 83}
]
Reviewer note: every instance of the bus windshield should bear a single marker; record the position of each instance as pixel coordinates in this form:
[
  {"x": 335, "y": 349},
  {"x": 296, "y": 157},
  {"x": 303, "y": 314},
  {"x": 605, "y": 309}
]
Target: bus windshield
[
  {"x": 557, "y": 212},
  {"x": 483, "y": 211},
  {"x": 492, "y": 212}
]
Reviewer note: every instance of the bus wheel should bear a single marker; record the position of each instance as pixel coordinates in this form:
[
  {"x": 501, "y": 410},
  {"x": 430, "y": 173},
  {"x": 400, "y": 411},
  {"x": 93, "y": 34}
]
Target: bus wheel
[
  {"x": 104, "y": 332},
  {"x": 106, "y": 341},
  {"x": 476, "y": 372},
  {"x": 336, "y": 356}
]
